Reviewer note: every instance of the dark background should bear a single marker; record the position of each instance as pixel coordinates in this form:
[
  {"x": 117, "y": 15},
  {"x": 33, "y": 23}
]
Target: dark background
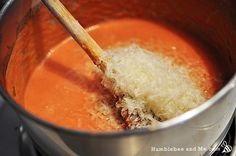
[
  {"x": 2, "y": 2},
  {"x": 8, "y": 130}
]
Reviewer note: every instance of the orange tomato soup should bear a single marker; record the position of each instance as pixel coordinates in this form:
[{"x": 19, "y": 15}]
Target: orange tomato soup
[{"x": 65, "y": 89}]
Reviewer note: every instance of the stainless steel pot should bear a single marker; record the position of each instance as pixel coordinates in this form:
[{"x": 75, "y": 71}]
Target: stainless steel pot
[{"x": 200, "y": 130}]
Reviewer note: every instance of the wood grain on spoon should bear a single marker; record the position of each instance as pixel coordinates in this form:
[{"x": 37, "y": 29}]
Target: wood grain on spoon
[{"x": 90, "y": 46}]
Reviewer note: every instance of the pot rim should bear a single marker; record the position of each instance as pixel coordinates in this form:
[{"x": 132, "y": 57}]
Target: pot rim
[{"x": 183, "y": 118}]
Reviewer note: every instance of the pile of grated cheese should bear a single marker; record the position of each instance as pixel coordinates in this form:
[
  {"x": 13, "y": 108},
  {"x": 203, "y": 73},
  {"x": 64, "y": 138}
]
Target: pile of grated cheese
[{"x": 150, "y": 87}]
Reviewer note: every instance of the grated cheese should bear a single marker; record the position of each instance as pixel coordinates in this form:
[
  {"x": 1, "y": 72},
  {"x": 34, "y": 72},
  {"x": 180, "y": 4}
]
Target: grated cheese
[{"x": 151, "y": 85}]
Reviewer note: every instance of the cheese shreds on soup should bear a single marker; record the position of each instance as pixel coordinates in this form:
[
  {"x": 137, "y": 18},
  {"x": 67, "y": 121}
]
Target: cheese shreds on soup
[{"x": 154, "y": 81}]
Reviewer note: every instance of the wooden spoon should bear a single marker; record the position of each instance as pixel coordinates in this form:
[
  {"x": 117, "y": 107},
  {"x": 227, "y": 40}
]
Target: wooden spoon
[{"x": 90, "y": 46}]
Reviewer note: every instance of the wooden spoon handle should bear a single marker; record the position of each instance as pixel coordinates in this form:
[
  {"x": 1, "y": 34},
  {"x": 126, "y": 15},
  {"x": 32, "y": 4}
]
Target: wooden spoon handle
[{"x": 94, "y": 51}]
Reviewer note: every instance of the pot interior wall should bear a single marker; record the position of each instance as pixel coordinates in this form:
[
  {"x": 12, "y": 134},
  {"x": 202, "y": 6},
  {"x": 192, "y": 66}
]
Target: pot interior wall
[{"x": 212, "y": 22}]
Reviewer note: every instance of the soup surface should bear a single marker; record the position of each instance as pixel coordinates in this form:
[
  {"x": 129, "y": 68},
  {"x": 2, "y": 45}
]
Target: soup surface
[{"x": 66, "y": 89}]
